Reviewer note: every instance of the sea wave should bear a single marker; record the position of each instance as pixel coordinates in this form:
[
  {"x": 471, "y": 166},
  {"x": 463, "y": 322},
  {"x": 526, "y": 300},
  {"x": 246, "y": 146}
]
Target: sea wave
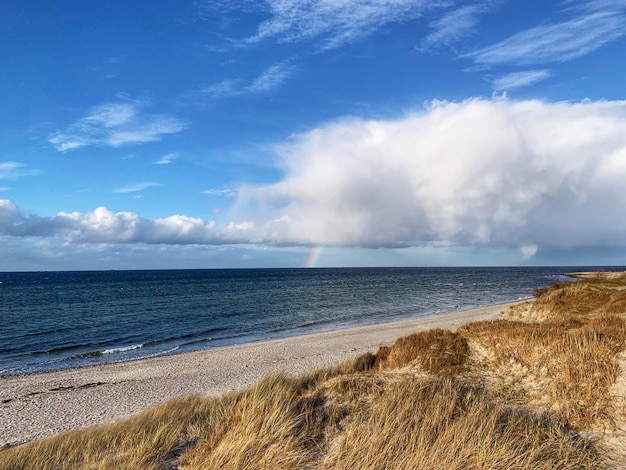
[
  {"x": 159, "y": 353},
  {"x": 122, "y": 349}
]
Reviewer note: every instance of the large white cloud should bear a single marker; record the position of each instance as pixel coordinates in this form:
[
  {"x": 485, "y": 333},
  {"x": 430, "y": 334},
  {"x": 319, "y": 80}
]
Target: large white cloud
[{"x": 482, "y": 172}]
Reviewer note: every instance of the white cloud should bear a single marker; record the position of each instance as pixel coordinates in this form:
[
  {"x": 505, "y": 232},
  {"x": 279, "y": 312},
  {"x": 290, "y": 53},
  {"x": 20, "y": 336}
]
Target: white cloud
[
  {"x": 592, "y": 5},
  {"x": 221, "y": 7},
  {"x": 166, "y": 159},
  {"x": 223, "y": 89},
  {"x": 334, "y": 23},
  {"x": 9, "y": 213},
  {"x": 503, "y": 173},
  {"x": 514, "y": 80},
  {"x": 528, "y": 176},
  {"x": 528, "y": 251},
  {"x": 133, "y": 188},
  {"x": 453, "y": 26},
  {"x": 225, "y": 191},
  {"x": 115, "y": 125},
  {"x": 558, "y": 42},
  {"x": 105, "y": 226},
  {"x": 13, "y": 170},
  {"x": 270, "y": 79},
  {"x": 111, "y": 115}
]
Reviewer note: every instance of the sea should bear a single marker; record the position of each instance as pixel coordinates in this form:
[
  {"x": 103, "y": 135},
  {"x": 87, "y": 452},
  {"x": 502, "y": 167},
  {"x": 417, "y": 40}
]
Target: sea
[{"x": 59, "y": 320}]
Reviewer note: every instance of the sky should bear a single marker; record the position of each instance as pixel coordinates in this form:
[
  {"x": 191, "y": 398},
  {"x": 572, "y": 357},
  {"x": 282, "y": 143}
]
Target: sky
[{"x": 290, "y": 133}]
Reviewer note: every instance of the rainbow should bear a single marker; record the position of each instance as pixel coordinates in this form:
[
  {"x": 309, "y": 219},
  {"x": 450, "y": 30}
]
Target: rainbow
[{"x": 314, "y": 256}]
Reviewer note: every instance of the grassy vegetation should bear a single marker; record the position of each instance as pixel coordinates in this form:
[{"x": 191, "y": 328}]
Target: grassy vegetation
[{"x": 535, "y": 391}]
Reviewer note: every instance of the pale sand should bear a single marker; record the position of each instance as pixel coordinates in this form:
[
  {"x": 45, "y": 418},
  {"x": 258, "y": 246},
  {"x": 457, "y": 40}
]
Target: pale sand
[{"x": 39, "y": 405}]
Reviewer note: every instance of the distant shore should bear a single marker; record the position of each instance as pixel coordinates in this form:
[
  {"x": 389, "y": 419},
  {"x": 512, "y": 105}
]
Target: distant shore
[
  {"x": 594, "y": 274},
  {"x": 38, "y": 405}
]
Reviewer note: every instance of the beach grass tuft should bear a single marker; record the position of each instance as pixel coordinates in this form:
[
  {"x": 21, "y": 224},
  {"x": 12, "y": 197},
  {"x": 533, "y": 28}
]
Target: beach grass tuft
[{"x": 436, "y": 351}]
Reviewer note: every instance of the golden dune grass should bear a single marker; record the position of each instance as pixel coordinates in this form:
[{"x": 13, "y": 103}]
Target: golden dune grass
[
  {"x": 565, "y": 366},
  {"x": 494, "y": 395},
  {"x": 436, "y": 351}
]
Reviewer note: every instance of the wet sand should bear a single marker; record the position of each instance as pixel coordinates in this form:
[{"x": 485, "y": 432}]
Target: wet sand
[{"x": 43, "y": 404}]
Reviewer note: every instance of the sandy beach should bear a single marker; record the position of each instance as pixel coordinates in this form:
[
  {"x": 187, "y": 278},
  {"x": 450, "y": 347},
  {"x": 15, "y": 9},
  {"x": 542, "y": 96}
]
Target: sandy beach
[{"x": 39, "y": 405}]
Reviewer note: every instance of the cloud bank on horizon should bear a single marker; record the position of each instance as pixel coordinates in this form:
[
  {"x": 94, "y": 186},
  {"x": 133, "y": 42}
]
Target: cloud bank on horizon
[
  {"x": 445, "y": 126},
  {"x": 498, "y": 172}
]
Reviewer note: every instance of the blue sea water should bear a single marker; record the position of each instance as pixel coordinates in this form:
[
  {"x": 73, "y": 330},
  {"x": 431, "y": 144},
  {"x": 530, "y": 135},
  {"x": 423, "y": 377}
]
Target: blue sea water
[{"x": 57, "y": 320}]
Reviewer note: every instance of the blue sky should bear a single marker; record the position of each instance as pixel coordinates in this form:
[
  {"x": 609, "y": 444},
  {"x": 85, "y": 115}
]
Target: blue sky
[{"x": 279, "y": 133}]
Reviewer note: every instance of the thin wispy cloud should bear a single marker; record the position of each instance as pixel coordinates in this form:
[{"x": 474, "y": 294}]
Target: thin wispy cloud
[
  {"x": 331, "y": 23},
  {"x": 269, "y": 80},
  {"x": 13, "y": 170},
  {"x": 225, "y": 191},
  {"x": 209, "y": 8},
  {"x": 453, "y": 26},
  {"x": 514, "y": 80},
  {"x": 133, "y": 188},
  {"x": 166, "y": 159},
  {"x": 603, "y": 5},
  {"x": 116, "y": 125},
  {"x": 559, "y": 42},
  {"x": 223, "y": 89},
  {"x": 272, "y": 78}
]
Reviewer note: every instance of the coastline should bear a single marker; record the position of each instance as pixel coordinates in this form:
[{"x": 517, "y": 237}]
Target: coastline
[{"x": 42, "y": 404}]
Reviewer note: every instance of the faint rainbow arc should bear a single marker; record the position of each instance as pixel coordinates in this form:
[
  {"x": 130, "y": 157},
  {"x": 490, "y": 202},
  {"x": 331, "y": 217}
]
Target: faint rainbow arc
[{"x": 314, "y": 256}]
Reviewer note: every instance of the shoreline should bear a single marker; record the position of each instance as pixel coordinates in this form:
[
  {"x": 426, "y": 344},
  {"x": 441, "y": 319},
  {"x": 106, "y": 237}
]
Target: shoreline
[
  {"x": 277, "y": 337},
  {"x": 45, "y": 403}
]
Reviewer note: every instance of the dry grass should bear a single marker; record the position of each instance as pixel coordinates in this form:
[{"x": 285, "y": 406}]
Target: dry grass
[
  {"x": 600, "y": 293},
  {"x": 446, "y": 424},
  {"x": 275, "y": 424},
  {"x": 350, "y": 421},
  {"x": 437, "y": 351},
  {"x": 567, "y": 366},
  {"x": 148, "y": 441},
  {"x": 503, "y": 394}
]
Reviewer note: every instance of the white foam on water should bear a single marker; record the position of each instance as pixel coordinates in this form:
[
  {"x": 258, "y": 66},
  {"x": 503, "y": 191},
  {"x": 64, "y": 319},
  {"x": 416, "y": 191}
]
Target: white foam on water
[{"x": 122, "y": 349}]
